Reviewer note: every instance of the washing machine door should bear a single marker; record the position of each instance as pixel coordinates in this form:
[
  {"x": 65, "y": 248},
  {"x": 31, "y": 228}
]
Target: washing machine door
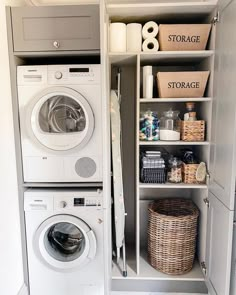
[
  {"x": 64, "y": 242},
  {"x": 61, "y": 119}
]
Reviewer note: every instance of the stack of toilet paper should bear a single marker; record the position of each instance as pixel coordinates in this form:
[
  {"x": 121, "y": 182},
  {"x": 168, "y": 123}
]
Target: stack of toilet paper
[
  {"x": 129, "y": 37},
  {"x": 149, "y": 33}
]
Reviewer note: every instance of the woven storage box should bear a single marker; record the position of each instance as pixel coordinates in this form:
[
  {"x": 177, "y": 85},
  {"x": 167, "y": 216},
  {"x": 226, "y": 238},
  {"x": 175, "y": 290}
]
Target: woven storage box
[
  {"x": 193, "y": 130},
  {"x": 189, "y": 173},
  {"x": 183, "y": 37},
  {"x": 172, "y": 232},
  {"x": 182, "y": 84}
]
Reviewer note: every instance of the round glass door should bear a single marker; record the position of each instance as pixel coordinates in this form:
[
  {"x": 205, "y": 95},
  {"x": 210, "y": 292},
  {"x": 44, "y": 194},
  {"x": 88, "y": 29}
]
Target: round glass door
[
  {"x": 61, "y": 119},
  {"x": 64, "y": 242}
]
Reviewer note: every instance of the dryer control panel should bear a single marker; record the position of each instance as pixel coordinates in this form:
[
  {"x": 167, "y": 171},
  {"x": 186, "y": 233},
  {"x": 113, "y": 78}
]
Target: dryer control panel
[{"x": 73, "y": 74}]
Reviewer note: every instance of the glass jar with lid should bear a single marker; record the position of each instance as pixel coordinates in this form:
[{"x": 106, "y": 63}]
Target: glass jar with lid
[
  {"x": 170, "y": 125},
  {"x": 174, "y": 174},
  {"x": 149, "y": 126}
]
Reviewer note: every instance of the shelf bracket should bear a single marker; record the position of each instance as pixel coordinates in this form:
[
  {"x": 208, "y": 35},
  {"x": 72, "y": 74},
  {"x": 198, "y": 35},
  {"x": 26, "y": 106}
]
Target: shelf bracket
[{"x": 216, "y": 19}]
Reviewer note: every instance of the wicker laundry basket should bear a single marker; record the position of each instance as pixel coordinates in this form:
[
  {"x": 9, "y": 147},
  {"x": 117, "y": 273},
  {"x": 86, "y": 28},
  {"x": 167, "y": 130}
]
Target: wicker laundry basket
[{"x": 172, "y": 232}]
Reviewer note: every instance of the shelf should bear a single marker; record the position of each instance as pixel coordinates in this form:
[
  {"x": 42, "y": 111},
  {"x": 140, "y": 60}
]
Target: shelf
[
  {"x": 126, "y": 58},
  {"x": 147, "y": 272},
  {"x": 160, "y": 142},
  {"x": 159, "y": 11},
  {"x": 174, "y": 56},
  {"x": 172, "y": 185},
  {"x": 161, "y": 100},
  {"x": 159, "y": 56}
]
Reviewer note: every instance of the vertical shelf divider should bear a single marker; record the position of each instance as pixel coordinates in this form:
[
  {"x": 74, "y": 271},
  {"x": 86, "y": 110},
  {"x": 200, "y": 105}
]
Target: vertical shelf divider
[{"x": 137, "y": 167}]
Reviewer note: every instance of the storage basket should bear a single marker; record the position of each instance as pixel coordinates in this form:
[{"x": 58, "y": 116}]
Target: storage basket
[
  {"x": 193, "y": 130},
  {"x": 189, "y": 174},
  {"x": 172, "y": 232},
  {"x": 183, "y": 37},
  {"x": 182, "y": 84},
  {"x": 153, "y": 175}
]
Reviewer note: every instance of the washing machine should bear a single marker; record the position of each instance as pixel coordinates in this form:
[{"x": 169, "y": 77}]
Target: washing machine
[
  {"x": 60, "y": 109},
  {"x": 64, "y": 230}
]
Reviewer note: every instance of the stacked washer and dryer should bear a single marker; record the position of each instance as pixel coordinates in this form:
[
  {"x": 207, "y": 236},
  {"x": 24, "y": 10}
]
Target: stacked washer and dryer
[{"x": 60, "y": 111}]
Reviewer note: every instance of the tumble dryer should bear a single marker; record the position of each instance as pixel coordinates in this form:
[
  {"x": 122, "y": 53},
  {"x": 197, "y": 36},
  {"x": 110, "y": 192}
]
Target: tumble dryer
[
  {"x": 64, "y": 230},
  {"x": 60, "y": 110}
]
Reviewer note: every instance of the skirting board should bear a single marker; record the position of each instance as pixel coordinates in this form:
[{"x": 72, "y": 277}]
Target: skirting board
[{"x": 23, "y": 290}]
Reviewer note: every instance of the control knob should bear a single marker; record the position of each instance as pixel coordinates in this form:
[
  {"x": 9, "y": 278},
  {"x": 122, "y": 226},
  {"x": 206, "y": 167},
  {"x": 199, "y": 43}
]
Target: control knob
[
  {"x": 63, "y": 204},
  {"x": 58, "y": 75}
]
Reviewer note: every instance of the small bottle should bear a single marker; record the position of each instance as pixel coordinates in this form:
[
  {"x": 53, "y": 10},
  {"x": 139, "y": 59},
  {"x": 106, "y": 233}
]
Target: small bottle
[
  {"x": 192, "y": 116},
  {"x": 190, "y": 106}
]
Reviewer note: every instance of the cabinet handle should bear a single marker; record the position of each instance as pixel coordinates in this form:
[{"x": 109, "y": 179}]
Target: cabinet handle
[{"x": 56, "y": 44}]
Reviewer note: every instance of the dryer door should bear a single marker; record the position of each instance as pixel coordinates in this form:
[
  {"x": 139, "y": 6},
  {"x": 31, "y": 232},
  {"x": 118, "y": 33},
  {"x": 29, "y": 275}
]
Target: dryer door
[
  {"x": 64, "y": 242},
  {"x": 61, "y": 119}
]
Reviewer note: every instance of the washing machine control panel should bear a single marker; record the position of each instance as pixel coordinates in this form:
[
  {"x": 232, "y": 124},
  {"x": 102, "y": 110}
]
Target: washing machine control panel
[
  {"x": 72, "y": 202},
  {"x": 91, "y": 202}
]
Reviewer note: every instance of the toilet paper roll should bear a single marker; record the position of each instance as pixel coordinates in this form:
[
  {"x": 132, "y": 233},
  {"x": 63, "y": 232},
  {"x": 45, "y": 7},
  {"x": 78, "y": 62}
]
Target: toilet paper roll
[
  {"x": 150, "y": 44},
  {"x": 117, "y": 37},
  {"x": 134, "y": 37},
  {"x": 147, "y": 70},
  {"x": 149, "y": 86},
  {"x": 150, "y": 30}
]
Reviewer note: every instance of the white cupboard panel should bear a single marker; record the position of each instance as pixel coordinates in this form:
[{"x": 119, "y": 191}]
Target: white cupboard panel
[
  {"x": 222, "y": 168},
  {"x": 219, "y": 246}
]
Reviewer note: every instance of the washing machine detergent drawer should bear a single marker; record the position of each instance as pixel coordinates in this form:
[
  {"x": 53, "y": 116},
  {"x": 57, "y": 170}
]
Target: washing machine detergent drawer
[{"x": 62, "y": 169}]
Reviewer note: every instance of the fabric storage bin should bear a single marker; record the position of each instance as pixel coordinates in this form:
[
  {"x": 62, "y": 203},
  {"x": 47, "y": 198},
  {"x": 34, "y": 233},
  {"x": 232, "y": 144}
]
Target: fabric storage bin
[
  {"x": 183, "y": 37},
  {"x": 193, "y": 130},
  {"x": 189, "y": 174},
  {"x": 182, "y": 84},
  {"x": 153, "y": 175},
  {"x": 172, "y": 233}
]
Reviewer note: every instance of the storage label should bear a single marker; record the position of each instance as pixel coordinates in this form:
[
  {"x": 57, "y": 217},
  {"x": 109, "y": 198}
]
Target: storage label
[
  {"x": 191, "y": 85},
  {"x": 183, "y": 38}
]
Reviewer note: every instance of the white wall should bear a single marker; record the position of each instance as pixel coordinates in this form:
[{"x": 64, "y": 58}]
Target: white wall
[{"x": 11, "y": 268}]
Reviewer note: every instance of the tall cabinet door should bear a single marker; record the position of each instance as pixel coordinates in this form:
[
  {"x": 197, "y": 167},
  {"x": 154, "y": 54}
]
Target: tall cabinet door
[
  {"x": 223, "y": 141},
  {"x": 223, "y": 153},
  {"x": 219, "y": 245}
]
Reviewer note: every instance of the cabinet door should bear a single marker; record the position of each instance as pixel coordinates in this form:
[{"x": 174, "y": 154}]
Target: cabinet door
[
  {"x": 223, "y": 141},
  {"x": 219, "y": 247},
  {"x": 56, "y": 28}
]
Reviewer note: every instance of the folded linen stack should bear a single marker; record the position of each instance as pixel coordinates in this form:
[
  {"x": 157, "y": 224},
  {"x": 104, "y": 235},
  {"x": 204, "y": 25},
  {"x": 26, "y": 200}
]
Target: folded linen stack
[{"x": 153, "y": 168}]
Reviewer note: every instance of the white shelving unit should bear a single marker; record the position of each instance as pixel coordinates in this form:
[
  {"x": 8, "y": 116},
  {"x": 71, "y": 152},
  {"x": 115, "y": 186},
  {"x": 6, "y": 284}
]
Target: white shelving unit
[
  {"x": 139, "y": 195},
  {"x": 138, "y": 266}
]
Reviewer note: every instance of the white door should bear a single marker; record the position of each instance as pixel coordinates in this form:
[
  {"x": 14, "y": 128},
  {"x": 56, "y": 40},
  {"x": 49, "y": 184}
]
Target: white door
[
  {"x": 64, "y": 242},
  {"x": 219, "y": 246},
  {"x": 60, "y": 119},
  {"x": 223, "y": 153}
]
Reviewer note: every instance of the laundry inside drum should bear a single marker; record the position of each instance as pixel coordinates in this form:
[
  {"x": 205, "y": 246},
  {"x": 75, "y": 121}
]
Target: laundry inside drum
[
  {"x": 64, "y": 241},
  {"x": 62, "y": 114}
]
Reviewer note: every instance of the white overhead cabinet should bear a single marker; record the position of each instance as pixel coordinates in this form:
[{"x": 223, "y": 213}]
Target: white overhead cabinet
[{"x": 215, "y": 199}]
